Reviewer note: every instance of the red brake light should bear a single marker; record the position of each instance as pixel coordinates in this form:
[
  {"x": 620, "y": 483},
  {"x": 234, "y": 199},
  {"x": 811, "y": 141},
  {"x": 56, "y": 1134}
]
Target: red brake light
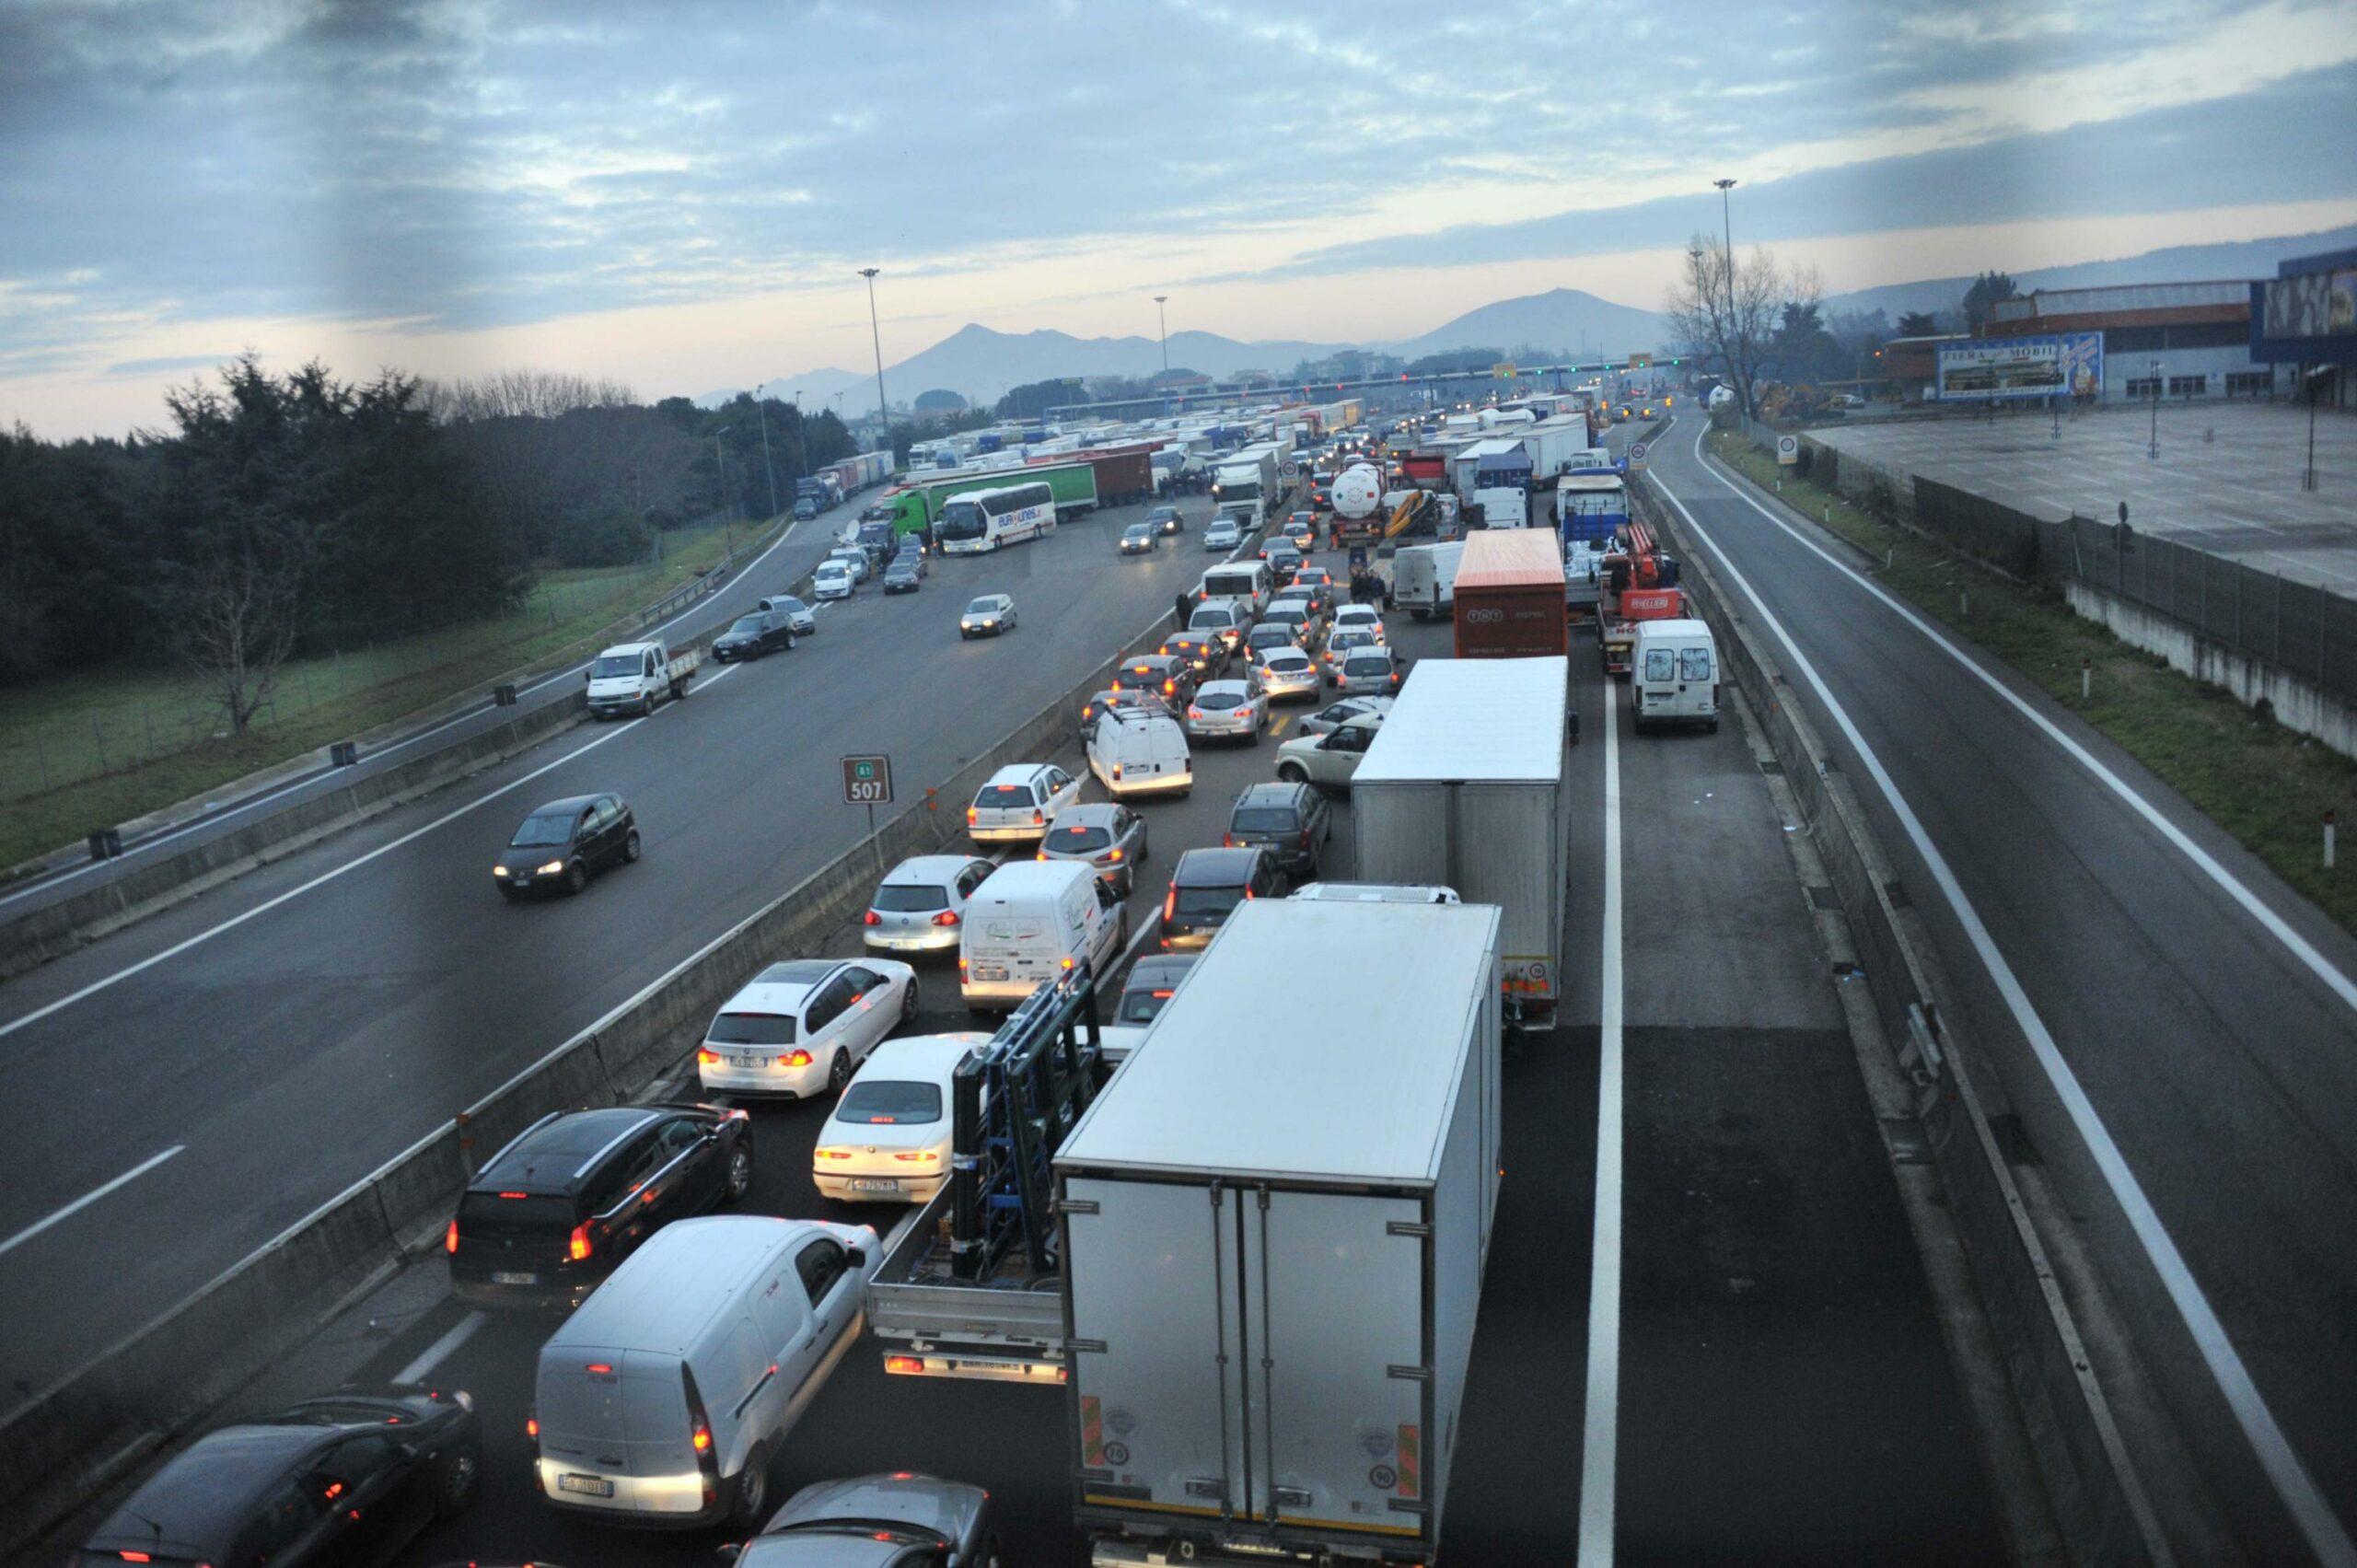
[
  {"x": 797, "y": 1057},
  {"x": 1170, "y": 905},
  {"x": 905, "y": 1365},
  {"x": 946, "y": 917},
  {"x": 707, "y": 1058},
  {"x": 135, "y": 1557},
  {"x": 1115, "y": 856},
  {"x": 972, "y": 816},
  {"x": 580, "y": 1249},
  {"x": 450, "y": 1241},
  {"x": 1227, "y": 841},
  {"x": 871, "y": 918},
  {"x": 701, "y": 1439},
  {"x": 532, "y": 1427},
  {"x": 1038, "y": 818},
  {"x": 600, "y": 1367}
]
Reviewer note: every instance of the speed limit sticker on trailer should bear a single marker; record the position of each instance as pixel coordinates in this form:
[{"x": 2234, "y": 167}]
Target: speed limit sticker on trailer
[{"x": 1528, "y": 977}]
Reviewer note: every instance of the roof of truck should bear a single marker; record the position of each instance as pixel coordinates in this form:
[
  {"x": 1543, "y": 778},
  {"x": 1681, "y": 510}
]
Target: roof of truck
[
  {"x": 1492, "y": 720},
  {"x": 1510, "y": 557},
  {"x": 1312, "y": 1040}
]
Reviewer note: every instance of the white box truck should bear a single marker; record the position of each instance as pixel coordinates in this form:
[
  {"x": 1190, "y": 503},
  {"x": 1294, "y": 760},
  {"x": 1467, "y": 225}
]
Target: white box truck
[
  {"x": 1464, "y": 787},
  {"x": 1275, "y": 1221},
  {"x": 1423, "y": 578}
]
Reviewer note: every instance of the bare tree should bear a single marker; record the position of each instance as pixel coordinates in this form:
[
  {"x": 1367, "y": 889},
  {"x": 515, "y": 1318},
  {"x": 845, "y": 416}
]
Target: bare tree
[
  {"x": 235, "y": 615},
  {"x": 1724, "y": 311},
  {"x": 523, "y": 392}
]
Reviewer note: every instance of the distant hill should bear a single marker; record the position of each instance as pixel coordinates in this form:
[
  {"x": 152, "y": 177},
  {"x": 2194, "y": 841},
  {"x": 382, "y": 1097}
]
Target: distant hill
[
  {"x": 1569, "y": 319},
  {"x": 2176, "y": 263}
]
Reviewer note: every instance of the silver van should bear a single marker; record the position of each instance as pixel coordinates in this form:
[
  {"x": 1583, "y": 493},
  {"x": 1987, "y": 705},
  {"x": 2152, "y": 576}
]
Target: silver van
[{"x": 663, "y": 1398}]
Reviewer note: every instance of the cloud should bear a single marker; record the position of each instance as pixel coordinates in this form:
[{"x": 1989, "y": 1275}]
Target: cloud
[{"x": 167, "y": 362}]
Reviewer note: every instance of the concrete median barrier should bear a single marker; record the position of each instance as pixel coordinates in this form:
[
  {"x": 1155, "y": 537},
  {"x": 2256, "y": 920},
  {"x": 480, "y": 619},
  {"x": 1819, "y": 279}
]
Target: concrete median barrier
[
  {"x": 66, "y": 1443},
  {"x": 2098, "y": 1497}
]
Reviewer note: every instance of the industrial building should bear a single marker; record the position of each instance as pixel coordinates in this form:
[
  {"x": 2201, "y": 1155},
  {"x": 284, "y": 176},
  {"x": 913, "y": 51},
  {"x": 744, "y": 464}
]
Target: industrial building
[{"x": 2193, "y": 338}]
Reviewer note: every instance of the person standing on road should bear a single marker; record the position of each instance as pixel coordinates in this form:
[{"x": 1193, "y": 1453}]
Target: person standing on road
[{"x": 1184, "y": 607}]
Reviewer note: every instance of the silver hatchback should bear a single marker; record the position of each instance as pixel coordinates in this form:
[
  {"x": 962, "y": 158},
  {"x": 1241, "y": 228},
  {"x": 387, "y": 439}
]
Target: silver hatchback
[{"x": 920, "y": 905}]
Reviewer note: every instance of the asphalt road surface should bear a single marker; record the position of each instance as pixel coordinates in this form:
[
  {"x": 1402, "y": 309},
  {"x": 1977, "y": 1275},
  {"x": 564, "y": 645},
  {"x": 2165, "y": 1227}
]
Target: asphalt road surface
[
  {"x": 254, "y": 1051},
  {"x": 1776, "y": 1386},
  {"x": 2145, "y": 987}
]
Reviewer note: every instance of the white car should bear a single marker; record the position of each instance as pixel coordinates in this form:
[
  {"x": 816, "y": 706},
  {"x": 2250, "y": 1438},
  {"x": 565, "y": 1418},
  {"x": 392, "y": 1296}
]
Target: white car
[
  {"x": 801, "y": 1025},
  {"x": 1017, "y": 804},
  {"x": 1287, "y": 672},
  {"x": 1360, "y": 616},
  {"x": 1334, "y": 715},
  {"x": 1223, "y": 534},
  {"x": 1236, "y": 709},
  {"x": 833, "y": 579},
  {"x": 855, "y": 558},
  {"x": 887, "y": 1139},
  {"x": 1326, "y": 761},
  {"x": 1340, "y": 644},
  {"x": 798, "y": 614},
  {"x": 1372, "y": 670},
  {"x": 918, "y": 906},
  {"x": 987, "y": 616}
]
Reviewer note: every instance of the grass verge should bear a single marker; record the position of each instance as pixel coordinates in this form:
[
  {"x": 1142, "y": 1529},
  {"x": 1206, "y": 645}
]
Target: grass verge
[
  {"x": 106, "y": 745},
  {"x": 2268, "y": 786}
]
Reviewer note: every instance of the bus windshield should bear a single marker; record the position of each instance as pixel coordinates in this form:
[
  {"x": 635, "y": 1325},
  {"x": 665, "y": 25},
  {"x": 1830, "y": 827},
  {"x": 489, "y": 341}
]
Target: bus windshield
[{"x": 962, "y": 519}]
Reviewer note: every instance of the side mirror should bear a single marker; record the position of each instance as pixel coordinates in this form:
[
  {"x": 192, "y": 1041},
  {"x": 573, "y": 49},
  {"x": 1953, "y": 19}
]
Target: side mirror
[{"x": 856, "y": 1257}]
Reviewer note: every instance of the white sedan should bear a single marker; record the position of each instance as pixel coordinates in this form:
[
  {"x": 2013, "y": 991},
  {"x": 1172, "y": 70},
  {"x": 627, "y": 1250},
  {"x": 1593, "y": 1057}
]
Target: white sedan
[
  {"x": 1223, "y": 534},
  {"x": 887, "y": 1139},
  {"x": 801, "y": 1025},
  {"x": 1236, "y": 709}
]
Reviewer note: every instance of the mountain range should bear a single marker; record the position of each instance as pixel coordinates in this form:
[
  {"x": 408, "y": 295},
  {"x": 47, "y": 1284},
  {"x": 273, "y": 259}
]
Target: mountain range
[{"x": 981, "y": 364}]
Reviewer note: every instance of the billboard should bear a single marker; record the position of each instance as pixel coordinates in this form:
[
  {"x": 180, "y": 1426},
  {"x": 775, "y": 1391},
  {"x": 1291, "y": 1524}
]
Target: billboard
[
  {"x": 2066, "y": 362},
  {"x": 2308, "y": 315}
]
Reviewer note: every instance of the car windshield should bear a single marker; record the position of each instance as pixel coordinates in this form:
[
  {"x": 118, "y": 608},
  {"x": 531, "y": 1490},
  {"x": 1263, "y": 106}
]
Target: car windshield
[
  {"x": 1363, "y": 663},
  {"x": 982, "y": 605},
  {"x": 903, "y": 897},
  {"x": 832, "y": 569},
  {"x": 1220, "y": 701},
  {"x": 546, "y": 827},
  {"x": 750, "y": 625},
  {"x": 1004, "y": 795},
  {"x": 1139, "y": 1006},
  {"x": 1287, "y": 661},
  {"x": 616, "y": 666},
  {"x": 1078, "y": 839},
  {"x": 1265, "y": 819},
  {"x": 890, "y": 1102},
  {"x": 789, "y": 605},
  {"x": 752, "y": 1029},
  {"x": 1138, "y": 530},
  {"x": 1206, "y": 903}
]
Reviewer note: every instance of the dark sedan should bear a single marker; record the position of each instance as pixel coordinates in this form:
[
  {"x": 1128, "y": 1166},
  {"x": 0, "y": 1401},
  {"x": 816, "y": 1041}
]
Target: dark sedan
[
  {"x": 560, "y": 845},
  {"x": 348, "y": 1478},
  {"x": 905, "y": 574},
  {"x": 764, "y": 630}
]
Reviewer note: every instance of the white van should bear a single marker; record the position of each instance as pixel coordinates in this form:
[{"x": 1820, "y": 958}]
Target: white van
[
  {"x": 1139, "y": 751},
  {"x": 1423, "y": 578},
  {"x": 663, "y": 1398},
  {"x": 1250, "y": 581},
  {"x": 1674, "y": 674},
  {"x": 1032, "y": 921}
]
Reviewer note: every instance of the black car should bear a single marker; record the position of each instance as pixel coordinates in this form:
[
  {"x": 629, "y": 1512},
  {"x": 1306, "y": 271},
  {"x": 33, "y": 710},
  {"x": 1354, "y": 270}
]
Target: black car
[
  {"x": 563, "y": 842},
  {"x": 764, "y": 630},
  {"x": 1205, "y": 653},
  {"x": 1165, "y": 519},
  {"x": 1152, "y": 982},
  {"x": 1166, "y": 677},
  {"x": 1207, "y": 886},
  {"x": 347, "y": 1479},
  {"x": 552, "y": 1214},
  {"x": 905, "y": 574},
  {"x": 1290, "y": 821}
]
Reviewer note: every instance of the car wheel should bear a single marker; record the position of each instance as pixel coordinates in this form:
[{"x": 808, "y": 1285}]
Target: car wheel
[
  {"x": 740, "y": 1171},
  {"x": 630, "y": 847},
  {"x": 646, "y": 704},
  {"x": 459, "y": 1483},
  {"x": 838, "y": 1071},
  {"x": 576, "y": 877},
  {"x": 908, "y": 1001},
  {"x": 750, "y": 1490},
  {"x": 1293, "y": 773}
]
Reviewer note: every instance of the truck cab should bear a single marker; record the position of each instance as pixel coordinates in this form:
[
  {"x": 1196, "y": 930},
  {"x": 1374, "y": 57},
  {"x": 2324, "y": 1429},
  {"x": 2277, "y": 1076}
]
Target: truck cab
[{"x": 632, "y": 678}]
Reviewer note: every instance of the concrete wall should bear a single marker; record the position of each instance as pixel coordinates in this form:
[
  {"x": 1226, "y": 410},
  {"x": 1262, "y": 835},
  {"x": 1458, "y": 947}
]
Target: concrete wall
[
  {"x": 2095, "y": 1489},
  {"x": 70, "y": 1440},
  {"x": 2296, "y": 703}
]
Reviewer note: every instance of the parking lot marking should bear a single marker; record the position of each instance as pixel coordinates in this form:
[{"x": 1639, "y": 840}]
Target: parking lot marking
[
  {"x": 1600, "y": 1440},
  {"x": 440, "y": 1349},
  {"x": 92, "y": 1196},
  {"x": 2317, "y": 1521}
]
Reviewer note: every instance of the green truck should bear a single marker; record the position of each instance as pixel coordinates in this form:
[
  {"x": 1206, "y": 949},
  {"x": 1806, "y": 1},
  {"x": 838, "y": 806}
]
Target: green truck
[{"x": 916, "y": 505}]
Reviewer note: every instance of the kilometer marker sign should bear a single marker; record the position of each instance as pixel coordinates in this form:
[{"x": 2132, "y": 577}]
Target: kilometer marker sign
[{"x": 868, "y": 781}]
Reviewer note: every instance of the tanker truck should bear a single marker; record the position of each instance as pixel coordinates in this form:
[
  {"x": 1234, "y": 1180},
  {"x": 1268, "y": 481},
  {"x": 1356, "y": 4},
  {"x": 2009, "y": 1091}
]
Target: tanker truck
[{"x": 1357, "y": 495}]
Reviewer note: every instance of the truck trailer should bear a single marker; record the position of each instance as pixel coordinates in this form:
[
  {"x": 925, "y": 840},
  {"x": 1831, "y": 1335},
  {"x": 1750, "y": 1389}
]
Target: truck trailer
[
  {"x": 1463, "y": 787},
  {"x": 916, "y": 506},
  {"x": 1269, "y": 1295},
  {"x": 1510, "y": 595}
]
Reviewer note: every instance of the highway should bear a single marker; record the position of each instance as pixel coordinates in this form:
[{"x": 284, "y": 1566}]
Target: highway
[
  {"x": 274, "y": 1040},
  {"x": 1767, "y": 1377},
  {"x": 2172, "y": 1026}
]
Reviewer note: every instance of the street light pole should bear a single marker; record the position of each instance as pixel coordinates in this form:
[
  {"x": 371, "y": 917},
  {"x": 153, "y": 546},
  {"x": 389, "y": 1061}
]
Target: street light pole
[
  {"x": 1727, "y": 225},
  {"x": 2152, "y": 450},
  {"x": 1163, "y": 317},
  {"x": 876, "y": 336},
  {"x": 767, "y": 467}
]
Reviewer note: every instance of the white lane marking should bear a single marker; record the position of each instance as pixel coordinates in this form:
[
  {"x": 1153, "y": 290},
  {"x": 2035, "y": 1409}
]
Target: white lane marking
[
  {"x": 143, "y": 845},
  {"x": 92, "y": 1196},
  {"x": 177, "y": 949},
  {"x": 1138, "y": 937},
  {"x": 440, "y": 1349},
  {"x": 2325, "y": 1537},
  {"x": 1601, "y": 1441}
]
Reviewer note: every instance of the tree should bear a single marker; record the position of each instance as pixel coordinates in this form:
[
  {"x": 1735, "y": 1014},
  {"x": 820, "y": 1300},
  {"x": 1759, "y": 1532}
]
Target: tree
[
  {"x": 940, "y": 399},
  {"x": 1918, "y": 324},
  {"x": 1986, "y": 290},
  {"x": 1724, "y": 312},
  {"x": 1034, "y": 398}
]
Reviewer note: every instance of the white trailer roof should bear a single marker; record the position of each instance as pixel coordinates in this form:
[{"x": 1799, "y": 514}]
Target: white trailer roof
[
  {"x": 1313, "y": 1040},
  {"x": 1473, "y": 719}
]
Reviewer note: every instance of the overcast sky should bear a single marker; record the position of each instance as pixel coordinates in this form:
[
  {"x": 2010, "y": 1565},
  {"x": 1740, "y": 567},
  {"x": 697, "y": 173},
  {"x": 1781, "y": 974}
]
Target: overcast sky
[{"x": 679, "y": 195}]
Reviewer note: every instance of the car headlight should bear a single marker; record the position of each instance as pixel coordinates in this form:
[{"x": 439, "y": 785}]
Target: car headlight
[
  {"x": 552, "y": 868},
  {"x": 499, "y": 871}
]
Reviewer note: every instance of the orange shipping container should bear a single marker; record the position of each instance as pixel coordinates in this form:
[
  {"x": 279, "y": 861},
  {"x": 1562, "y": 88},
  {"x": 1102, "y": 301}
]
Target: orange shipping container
[{"x": 1510, "y": 595}]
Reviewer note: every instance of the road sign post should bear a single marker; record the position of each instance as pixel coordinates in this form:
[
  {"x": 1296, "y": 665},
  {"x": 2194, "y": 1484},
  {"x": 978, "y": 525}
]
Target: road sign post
[
  {"x": 1788, "y": 451},
  {"x": 1636, "y": 456},
  {"x": 868, "y": 781}
]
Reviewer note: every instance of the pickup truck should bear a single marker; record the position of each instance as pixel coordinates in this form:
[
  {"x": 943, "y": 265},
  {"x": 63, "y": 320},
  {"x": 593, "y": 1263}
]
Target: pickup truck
[{"x": 630, "y": 678}]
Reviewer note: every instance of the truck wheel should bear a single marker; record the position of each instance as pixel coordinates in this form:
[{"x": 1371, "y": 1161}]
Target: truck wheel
[
  {"x": 679, "y": 689},
  {"x": 1420, "y": 615},
  {"x": 646, "y": 703}
]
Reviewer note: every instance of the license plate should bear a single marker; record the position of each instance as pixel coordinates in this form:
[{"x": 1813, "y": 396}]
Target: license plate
[
  {"x": 989, "y": 972},
  {"x": 507, "y": 1279},
  {"x": 873, "y": 1184},
  {"x": 749, "y": 1058},
  {"x": 587, "y": 1485}
]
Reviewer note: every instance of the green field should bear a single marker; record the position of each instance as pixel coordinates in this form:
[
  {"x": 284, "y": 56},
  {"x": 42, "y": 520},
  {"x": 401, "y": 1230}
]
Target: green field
[
  {"x": 2268, "y": 786},
  {"x": 103, "y": 746}
]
